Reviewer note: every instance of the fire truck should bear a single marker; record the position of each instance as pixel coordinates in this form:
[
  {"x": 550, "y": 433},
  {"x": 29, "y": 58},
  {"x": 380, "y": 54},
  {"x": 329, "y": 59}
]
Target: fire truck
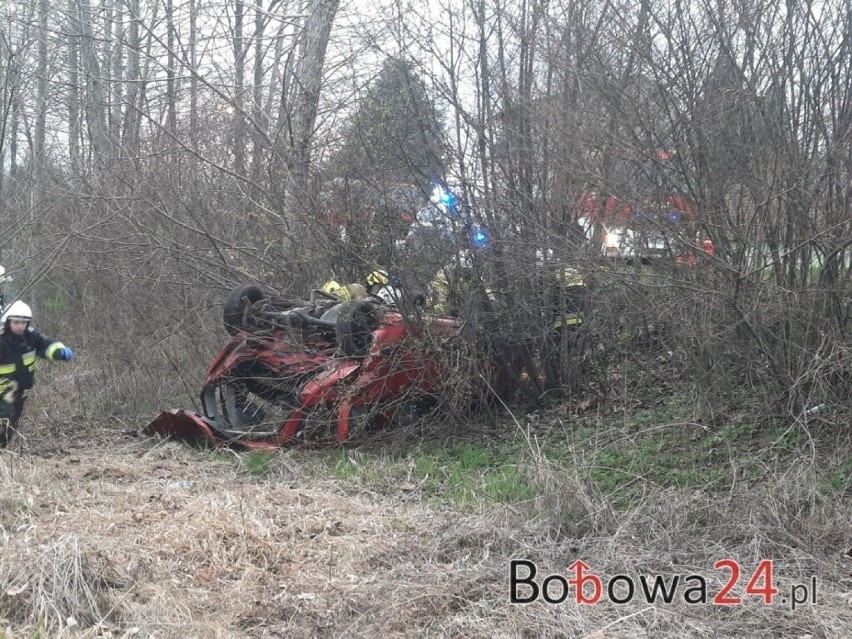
[{"x": 647, "y": 229}]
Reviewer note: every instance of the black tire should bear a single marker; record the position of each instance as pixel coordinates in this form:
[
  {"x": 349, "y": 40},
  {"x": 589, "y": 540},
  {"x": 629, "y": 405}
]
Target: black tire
[
  {"x": 236, "y": 304},
  {"x": 355, "y": 325}
]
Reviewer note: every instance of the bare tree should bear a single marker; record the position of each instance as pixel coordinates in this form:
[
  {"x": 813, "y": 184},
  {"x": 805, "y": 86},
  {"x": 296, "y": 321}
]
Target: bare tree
[
  {"x": 238, "y": 130},
  {"x": 171, "y": 82},
  {"x": 130, "y": 134},
  {"x": 193, "y": 82},
  {"x": 95, "y": 98},
  {"x": 116, "y": 92},
  {"x": 303, "y": 100},
  {"x": 41, "y": 103},
  {"x": 258, "y": 113}
]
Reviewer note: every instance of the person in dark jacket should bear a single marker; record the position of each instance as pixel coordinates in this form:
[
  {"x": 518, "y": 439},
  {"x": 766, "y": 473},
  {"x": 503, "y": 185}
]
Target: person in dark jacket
[{"x": 20, "y": 343}]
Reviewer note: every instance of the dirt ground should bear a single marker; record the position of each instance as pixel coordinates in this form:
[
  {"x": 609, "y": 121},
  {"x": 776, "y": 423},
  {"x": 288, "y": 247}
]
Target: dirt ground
[{"x": 105, "y": 533}]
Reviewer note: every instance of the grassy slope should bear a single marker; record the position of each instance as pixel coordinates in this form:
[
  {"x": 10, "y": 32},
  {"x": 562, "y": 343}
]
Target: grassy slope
[{"x": 411, "y": 534}]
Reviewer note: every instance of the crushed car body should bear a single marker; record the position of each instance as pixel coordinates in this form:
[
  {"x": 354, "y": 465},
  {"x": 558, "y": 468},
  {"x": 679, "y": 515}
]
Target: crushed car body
[{"x": 320, "y": 371}]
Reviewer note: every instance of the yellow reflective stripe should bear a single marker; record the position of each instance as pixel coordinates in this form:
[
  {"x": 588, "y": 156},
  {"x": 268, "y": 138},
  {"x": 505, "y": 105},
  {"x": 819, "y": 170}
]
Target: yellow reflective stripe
[
  {"x": 29, "y": 360},
  {"x": 568, "y": 321},
  {"x": 52, "y": 349},
  {"x": 7, "y": 369}
]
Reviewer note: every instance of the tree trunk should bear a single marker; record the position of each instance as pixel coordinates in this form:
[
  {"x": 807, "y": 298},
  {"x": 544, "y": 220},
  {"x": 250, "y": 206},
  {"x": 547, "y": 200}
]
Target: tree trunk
[
  {"x": 259, "y": 129},
  {"x": 193, "y": 83},
  {"x": 117, "y": 87},
  {"x": 15, "y": 121},
  {"x": 131, "y": 115},
  {"x": 73, "y": 53},
  {"x": 171, "y": 89},
  {"x": 307, "y": 82},
  {"x": 238, "y": 131},
  {"x": 95, "y": 99},
  {"x": 41, "y": 104},
  {"x": 5, "y": 105}
]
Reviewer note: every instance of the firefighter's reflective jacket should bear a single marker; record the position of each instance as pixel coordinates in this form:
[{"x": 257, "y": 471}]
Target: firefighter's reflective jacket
[
  {"x": 570, "y": 299},
  {"x": 454, "y": 291},
  {"x": 18, "y": 358}
]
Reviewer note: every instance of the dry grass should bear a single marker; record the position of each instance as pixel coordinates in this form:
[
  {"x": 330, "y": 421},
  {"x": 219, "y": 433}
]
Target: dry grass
[
  {"x": 52, "y": 582},
  {"x": 136, "y": 538}
]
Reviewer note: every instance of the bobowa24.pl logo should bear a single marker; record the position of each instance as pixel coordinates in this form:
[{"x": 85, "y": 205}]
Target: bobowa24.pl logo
[{"x": 582, "y": 586}]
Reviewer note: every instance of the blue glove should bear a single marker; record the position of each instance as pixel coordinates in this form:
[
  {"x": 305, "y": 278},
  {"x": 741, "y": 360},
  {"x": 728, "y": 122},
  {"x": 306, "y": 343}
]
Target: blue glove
[{"x": 65, "y": 354}]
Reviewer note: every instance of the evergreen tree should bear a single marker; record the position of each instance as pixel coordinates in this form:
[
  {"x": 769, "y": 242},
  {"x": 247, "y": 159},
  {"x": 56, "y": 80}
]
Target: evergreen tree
[
  {"x": 390, "y": 158},
  {"x": 395, "y": 135}
]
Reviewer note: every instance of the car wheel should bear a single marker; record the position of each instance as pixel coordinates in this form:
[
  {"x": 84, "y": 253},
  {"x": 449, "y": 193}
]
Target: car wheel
[
  {"x": 236, "y": 303},
  {"x": 355, "y": 325}
]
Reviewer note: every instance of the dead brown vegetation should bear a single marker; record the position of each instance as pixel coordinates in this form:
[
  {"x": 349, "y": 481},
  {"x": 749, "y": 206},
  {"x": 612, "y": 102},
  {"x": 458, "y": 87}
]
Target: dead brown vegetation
[{"x": 143, "y": 538}]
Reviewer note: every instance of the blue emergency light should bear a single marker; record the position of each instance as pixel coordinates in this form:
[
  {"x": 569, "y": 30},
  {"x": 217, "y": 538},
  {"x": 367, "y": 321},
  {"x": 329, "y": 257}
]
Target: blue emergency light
[
  {"x": 448, "y": 200},
  {"x": 479, "y": 236}
]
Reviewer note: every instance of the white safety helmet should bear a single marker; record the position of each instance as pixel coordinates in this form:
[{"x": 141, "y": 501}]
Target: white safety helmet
[
  {"x": 389, "y": 295},
  {"x": 17, "y": 310}
]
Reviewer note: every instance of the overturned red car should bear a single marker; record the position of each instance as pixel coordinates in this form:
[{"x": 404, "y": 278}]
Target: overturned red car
[{"x": 321, "y": 370}]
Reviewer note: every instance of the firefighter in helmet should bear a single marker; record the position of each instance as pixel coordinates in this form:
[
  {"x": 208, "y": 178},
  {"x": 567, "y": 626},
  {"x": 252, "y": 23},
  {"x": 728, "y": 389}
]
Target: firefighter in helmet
[
  {"x": 440, "y": 292},
  {"x": 457, "y": 289},
  {"x": 345, "y": 293},
  {"x": 569, "y": 298},
  {"x": 376, "y": 280},
  {"x": 20, "y": 343},
  {"x": 383, "y": 288}
]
